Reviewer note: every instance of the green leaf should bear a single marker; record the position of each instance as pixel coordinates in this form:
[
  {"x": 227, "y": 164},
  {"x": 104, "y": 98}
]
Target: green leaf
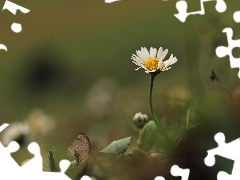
[
  {"x": 149, "y": 139},
  {"x": 52, "y": 163},
  {"x": 76, "y": 170},
  {"x": 118, "y": 147}
]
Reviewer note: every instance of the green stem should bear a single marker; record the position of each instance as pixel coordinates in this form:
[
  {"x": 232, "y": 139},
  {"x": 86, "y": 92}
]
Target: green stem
[
  {"x": 156, "y": 120},
  {"x": 150, "y": 94}
]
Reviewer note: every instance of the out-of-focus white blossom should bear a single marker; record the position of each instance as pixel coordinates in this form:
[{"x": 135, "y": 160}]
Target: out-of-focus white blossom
[
  {"x": 14, "y": 132},
  {"x": 40, "y": 123}
]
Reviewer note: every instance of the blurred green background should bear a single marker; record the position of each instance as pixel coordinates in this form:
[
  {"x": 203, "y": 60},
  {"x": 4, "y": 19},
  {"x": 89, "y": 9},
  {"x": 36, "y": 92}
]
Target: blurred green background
[{"x": 72, "y": 61}]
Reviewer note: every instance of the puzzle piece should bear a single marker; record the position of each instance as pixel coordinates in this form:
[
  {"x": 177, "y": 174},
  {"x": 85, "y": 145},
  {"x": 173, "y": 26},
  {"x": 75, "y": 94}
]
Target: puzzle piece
[
  {"x": 159, "y": 178},
  {"x": 16, "y": 27},
  {"x": 64, "y": 164},
  {"x": 5, "y": 153},
  {"x": 32, "y": 169},
  {"x": 3, "y": 47},
  {"x": 6, "y": 160},
  {"x": 227, "y": 150},
  {"x": 85, "y": 178},
  {"x": 182, "y": 9},
  {"x": 9, "y": 168},
  {"x": 35, "y": 164},
  {"x": 12, "y": 7},
  {"x": 111, "y": 1},
  {"x": 176, "y": 171},
  {"x": 236, "y": 16},
  {"x": 3, "y": 126},
  {"x": 222, "y": 51}
]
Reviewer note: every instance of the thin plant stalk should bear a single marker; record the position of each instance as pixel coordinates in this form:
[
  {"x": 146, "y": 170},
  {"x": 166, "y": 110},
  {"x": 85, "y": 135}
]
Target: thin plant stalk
[
  {"x": 188, "y": 118},
  {"x": 154, "y": 116}
]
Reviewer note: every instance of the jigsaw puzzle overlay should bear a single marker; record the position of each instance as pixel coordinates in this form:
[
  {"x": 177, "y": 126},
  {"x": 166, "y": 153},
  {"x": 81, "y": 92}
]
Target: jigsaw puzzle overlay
[
  {"x": 15, "y": 27},
  {"x": 182, "y": 9},
  {"x": 177, "y": 171},
  {"x": 32, "y": 169},
  {"x": 227, "y": 150},
  {"x": 111, "y": 1},
  {"x": 222, "y": 51}
]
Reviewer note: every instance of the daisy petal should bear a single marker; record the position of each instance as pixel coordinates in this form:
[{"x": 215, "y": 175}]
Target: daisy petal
[
  {"x": 153, "y": 52},
  {"x": 136, "y": 58},
  {"x": 174, "y": 60},
  {"x": 145, "y": 53},
  {"x": 137, "y": 63},
  {"x": 170, "y": 61},
  {"x": 165, "y": 69},
  {"x": 160, "y": 51},
  {"x": 162, "y": 56},
  {"x": 160, "y": 64},
  {"x": 140, "y": 54}
]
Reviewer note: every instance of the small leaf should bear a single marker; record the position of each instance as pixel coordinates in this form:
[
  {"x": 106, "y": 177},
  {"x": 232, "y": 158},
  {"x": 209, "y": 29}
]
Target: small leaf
[
  {"x": 149, "y": 138},
  {"x": 118, "y": 147},
  {"x": 52, "y": 163},
  {"x": 76, "y": 170}
]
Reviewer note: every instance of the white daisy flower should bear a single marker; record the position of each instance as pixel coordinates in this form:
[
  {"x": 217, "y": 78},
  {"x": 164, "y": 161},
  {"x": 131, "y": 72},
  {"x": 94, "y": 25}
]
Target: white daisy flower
[{"x": 153, "y": 61}]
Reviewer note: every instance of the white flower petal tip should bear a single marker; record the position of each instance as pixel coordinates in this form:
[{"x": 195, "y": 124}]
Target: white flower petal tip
[{"x": 152, "y": 60}]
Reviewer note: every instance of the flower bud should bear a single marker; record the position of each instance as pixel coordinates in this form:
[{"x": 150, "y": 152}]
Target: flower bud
[{"x": 140, "y": 120}]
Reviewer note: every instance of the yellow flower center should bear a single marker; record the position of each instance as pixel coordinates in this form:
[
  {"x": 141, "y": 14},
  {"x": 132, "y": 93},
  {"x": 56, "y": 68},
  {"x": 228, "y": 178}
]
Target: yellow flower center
[{"x": 151, "y": 64}]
